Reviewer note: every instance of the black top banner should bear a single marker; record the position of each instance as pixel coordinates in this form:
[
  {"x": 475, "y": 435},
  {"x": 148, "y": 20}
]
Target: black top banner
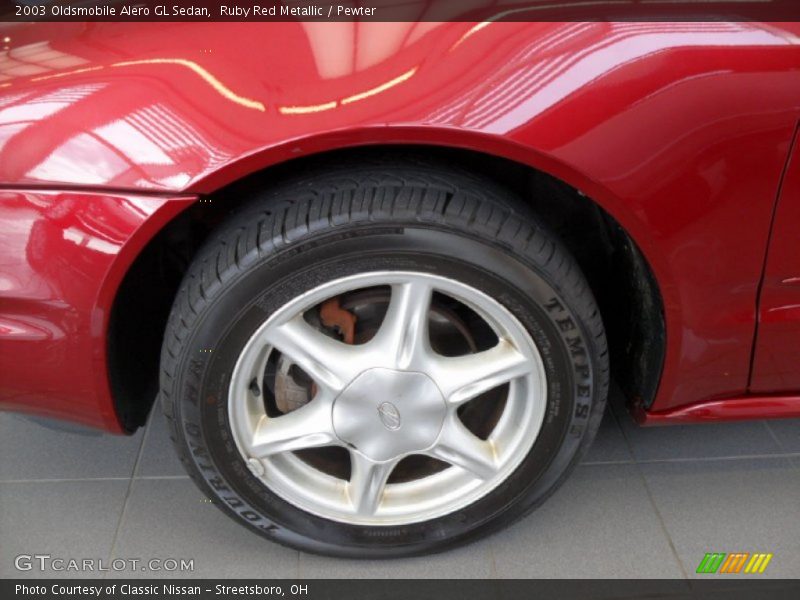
[{"x": 399, "y": 10}]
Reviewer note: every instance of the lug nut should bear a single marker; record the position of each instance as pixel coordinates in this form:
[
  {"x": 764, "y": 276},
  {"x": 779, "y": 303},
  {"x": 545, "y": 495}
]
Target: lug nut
[{"x": 255, "y": 466}]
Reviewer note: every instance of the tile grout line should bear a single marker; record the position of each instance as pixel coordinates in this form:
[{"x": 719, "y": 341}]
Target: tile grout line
[
  {"x": 493, "y": 573},
  {"x": 166, "y": 477},
  {"x": 81, "y": 479},
  {"x": 593, "y": 463},
  {"x": 131, "y": 479},
  {"x": 68, "y": 480},
  {"x": 658, "y": 461},
  {"x": 773, "y": 436},
  {"x": 649, "y": 493}
]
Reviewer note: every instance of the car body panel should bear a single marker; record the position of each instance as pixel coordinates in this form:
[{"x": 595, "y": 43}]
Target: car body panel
[
  {"x": 740, "y": 408},
  {"x": 776, "y": 364},
  {"x": 679, "y": 130},
  {"x": 63, "y": 258}
]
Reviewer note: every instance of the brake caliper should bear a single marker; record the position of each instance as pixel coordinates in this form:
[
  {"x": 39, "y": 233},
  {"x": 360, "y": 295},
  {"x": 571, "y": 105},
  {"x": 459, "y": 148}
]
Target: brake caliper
[{"x": 334, "y": 316}]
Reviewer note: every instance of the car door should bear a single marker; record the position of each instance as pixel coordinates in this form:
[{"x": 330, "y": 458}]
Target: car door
[{"x": 776, "y": 364}]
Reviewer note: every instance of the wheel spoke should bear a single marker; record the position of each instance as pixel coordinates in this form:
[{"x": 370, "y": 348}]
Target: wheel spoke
[
  {"x": 310, "y": 426},
  {"x": 367, "y": 482},
  {"x": 327, "y": 361},
  {"x": 460, "y": 447},
  {"x": 403, "y": 335},
  {"x": 463, "y": 378}
]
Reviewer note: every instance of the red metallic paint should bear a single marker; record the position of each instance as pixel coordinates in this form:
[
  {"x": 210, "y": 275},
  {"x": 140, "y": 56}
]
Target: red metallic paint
[
  {"x": 743, "y": 408},
  {"x": 62, "y": 258},
  {"x": 679, "y": 130},
  {"x": 776, "y": 364}
]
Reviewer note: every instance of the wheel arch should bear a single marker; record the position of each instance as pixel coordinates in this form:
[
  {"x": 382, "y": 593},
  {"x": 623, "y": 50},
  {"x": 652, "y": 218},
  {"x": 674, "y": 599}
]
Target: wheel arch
[{"x": 631, "y": 301}]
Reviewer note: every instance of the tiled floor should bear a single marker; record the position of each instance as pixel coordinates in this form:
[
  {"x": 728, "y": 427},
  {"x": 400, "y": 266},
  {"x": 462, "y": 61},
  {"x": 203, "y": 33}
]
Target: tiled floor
[{"x": 645, "y": 503}]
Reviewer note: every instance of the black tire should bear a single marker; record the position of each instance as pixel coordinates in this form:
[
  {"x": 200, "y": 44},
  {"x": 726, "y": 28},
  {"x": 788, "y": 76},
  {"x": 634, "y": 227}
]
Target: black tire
[{"x": 399, "y": 213}]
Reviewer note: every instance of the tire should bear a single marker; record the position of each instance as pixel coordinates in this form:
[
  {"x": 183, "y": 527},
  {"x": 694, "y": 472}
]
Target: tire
[{"x": 413, "y": 224}]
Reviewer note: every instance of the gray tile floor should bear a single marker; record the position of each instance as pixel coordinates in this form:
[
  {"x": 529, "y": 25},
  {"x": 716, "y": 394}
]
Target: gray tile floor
[{"x": 645, "y": 503}]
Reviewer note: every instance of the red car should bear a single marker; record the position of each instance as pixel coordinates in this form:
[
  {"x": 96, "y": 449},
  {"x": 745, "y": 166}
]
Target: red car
[{"x": 379, "y": 275}]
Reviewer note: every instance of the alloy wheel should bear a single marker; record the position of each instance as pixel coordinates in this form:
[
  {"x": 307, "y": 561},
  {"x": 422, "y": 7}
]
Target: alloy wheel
[{"x": 390, "y": 399}]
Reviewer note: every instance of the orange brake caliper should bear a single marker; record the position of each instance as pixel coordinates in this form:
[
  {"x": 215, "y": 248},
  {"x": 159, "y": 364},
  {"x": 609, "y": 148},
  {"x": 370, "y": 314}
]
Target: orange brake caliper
[{"x": 332, "y": 314}]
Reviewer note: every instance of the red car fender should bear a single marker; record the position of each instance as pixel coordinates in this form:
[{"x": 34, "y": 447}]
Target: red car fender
[
  {"x": 679, "y": 130},
  {"x": 64, "y": 257}
]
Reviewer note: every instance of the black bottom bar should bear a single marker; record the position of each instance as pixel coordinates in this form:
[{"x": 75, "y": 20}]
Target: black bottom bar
[{"x": 405, "y": 589}]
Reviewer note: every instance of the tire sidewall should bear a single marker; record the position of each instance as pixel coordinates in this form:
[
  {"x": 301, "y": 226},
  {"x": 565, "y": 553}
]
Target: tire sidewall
[{"x": 265, "y": 283}]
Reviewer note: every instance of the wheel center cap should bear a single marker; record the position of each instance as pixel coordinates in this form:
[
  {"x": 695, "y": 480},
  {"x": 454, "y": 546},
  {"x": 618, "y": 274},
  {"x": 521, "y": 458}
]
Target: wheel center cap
[{"x": 386, "y": 413}]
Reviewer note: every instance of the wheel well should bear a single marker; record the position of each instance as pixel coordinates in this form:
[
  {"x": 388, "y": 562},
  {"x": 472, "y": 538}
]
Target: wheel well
[{"x": 620, "y": 278}]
